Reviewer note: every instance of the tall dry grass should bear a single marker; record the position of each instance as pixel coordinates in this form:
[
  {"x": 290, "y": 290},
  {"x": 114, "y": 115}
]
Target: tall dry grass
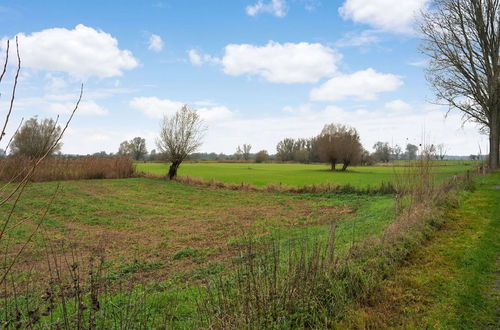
[{"x": 58, "y": 168}]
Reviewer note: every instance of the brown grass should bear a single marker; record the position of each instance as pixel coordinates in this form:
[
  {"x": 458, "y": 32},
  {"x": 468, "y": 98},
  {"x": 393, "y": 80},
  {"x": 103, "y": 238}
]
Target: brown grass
[{"x": 12, "y": 169}]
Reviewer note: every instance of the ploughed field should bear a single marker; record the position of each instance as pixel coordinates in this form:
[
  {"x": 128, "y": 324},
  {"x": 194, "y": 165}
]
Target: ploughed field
[
  {"x": 152, "y": 229},
  {"x": 299, "y": 174}
]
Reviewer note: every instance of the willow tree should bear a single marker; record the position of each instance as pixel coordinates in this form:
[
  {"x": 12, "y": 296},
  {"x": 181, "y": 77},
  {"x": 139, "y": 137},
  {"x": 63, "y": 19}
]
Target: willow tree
[
  {"x": 180, "y": 135},
  {"x": 462, "y": 40}
]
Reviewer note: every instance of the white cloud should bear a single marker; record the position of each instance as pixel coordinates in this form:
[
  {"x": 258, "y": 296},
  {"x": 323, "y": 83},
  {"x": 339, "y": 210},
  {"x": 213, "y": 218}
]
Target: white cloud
[
  {"x": 155, "y": 107},
  {"x": 281, "y": 63},
  {"x": 361, "y": 85},
  {"x": 199, "y": 59},
  {"x": 80, "y": 52},
  {"x": 155, "y": 43},
  {"x": 301, "y": 109},
  {"x": 55, "y": 83},
  {"x": 277, "y": 8},
  {"x": 88, "y": 108},
  {"x": 398, "y": 105},
  {"x": 358, "y": 39},
  {"x": 374, "y": 125},
  {"x": 396, "y": 16}
]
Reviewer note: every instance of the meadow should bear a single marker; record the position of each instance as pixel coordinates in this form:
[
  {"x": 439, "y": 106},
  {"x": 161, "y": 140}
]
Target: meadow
[
  {"x": 169, "y": 228},
  {"x": 164, "y": 246},
  {"x": 298, "y": 174}
]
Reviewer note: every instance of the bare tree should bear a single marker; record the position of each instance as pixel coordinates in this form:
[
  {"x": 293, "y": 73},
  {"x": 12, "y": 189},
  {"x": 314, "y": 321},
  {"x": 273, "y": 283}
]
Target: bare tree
[
  {"x": 261, "y": 156},
  {"x": 285, "y": 149},
  {"x": 35, "y": 138},
  {"x": 411, "y": 151},
  {"x": 246, "y": 151},
  {"x": 462, "y": 40},
  {"x": 180, "y": 135},
  {"x": 239, "y": 153},
  {"x": 382, "y": 152},
  {"x": 339, "y": 144},
  {"x": 441, "y": 150}
]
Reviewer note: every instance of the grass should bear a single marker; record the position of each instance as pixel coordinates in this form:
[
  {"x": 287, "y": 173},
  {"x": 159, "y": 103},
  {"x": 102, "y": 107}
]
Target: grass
[
  {"x": 175, "y": 227},
  {"x": 452, "y": 282},
  {"x": 295, "y": 174}
]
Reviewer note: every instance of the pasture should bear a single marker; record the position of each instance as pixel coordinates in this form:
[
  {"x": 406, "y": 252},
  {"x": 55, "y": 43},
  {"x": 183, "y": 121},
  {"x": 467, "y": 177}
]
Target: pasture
[
  {"x": 151, "y": 228},
  {"x": 297, "y": 174}
]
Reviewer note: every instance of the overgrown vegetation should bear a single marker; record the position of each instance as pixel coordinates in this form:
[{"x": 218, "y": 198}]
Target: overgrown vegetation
[{"x": 13, "y": 169}]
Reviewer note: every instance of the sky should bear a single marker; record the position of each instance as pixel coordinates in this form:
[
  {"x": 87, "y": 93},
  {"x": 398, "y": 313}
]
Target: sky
[{"x": 257, "y": 71}]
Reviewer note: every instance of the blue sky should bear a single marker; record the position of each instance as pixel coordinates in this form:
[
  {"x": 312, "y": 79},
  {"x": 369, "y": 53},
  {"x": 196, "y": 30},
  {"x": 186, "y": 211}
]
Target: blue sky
[{"x": 257, "y": 70}]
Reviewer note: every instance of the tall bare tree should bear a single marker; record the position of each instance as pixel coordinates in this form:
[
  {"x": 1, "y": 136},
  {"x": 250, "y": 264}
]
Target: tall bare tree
[
  {"x": 462, "y": 40},
  {"x": 339, "y": 144},
  {"x": 180, "y": 135},
  {"x": 246, "y": 151}
]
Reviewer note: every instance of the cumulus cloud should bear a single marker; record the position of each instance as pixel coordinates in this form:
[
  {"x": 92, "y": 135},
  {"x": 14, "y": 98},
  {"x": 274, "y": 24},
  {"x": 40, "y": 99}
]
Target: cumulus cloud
[
  {"x": 373, "y": 125},
  {"x": 86, "y": 108},
  {"x": 277, "y": 8},
  {"x": 155, "y": 107},
  {"x": 281, "y": 63},
  {"x": 361, "y": 85},
  {"x": 389, "y": 15},
  {"x": 155, "y": 43},
  {"x": 199, "y": 59},
  {"x": 81, "y": 52},
  {"x": 398, "y": 105}
]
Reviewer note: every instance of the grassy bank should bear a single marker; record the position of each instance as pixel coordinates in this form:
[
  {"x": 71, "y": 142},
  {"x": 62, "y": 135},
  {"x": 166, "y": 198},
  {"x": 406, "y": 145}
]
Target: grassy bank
[{"x": 451, "y": 282}]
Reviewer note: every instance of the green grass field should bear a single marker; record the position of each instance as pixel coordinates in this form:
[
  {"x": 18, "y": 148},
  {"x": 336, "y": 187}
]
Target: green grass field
[
  {"x": 452, "y": 282},
  {"x": 175, "y": 227},
  {"x": 295, "y": 174}
]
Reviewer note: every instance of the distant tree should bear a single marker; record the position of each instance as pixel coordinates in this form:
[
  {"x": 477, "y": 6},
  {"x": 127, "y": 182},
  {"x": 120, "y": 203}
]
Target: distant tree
[
  {"x": 441, "y": 150},
  {"x": 138, "y": 148},
  {"x": 382, "y": 152},
  {"x": 35, "y": 138},
  {"x": 135, "y": 148},
  {"x": 124, "y": 149},
  {"x": 101, "y": 154},
  {"x": 2, "y": 153},
  {"x": 366, "y": 158},
  {"x": 180, "y": 135},
  {"x": 339, "y": 144},
  {"x": 396, "y": 151},
  {"x": 285, "y": 149},
  {"x": 349, "y": 147},
  {"x": 462, "y": 41},
  {"x": 261, "y": 156},
  {"x": 411, "y": 151},
  {"x": 301, "y": 155},
  {"x": 238, "y": 155},
  {"x": 246, "y": 151}
]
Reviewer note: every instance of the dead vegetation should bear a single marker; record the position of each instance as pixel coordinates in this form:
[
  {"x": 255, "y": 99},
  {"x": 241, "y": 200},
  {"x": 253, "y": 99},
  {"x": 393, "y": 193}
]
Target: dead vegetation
[{"x": 13, "y": 169}]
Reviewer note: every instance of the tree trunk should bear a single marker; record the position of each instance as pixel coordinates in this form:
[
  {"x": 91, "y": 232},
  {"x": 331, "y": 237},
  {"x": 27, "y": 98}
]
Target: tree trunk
[
  {"x": 494, "y": 140},
  {"x": 333, "y": 164},
  {"x": 344, "y": 166},
  {"x": 172, "y": 171}
]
